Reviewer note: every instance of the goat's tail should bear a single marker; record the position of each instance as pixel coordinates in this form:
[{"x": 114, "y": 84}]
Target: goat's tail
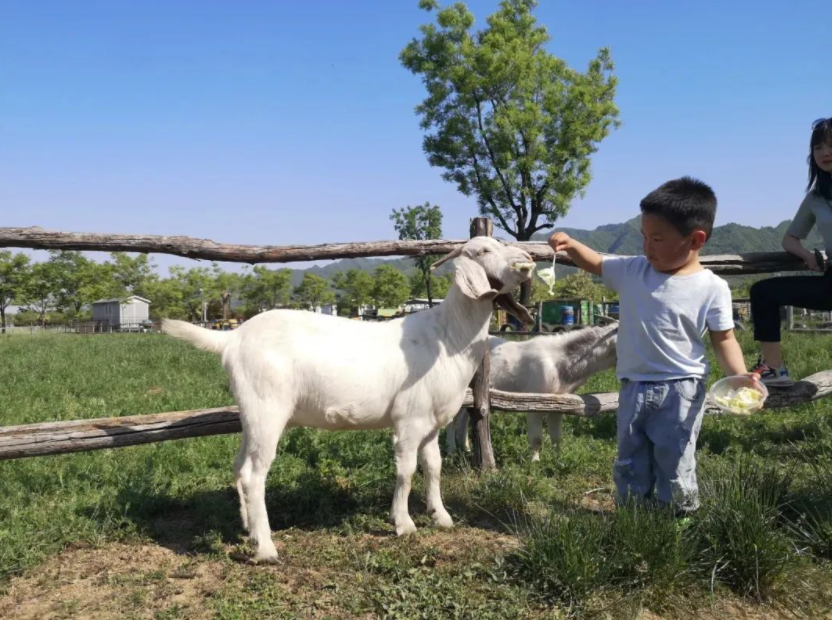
[{"x": 200, "y": 337}]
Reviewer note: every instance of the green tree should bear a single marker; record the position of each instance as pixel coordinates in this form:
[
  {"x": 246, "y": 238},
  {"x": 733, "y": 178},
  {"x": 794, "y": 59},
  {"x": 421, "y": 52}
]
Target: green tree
[
  {"x": 509, "y": 122},
  {"x": 192, "y": 289},
  {"x": 225, "y": 287},
  {"x": 266, "y": 289},
  {"x": 78, "y": 282},
  {"x": 40, "y": 289},
  {"x": 14, "y": 272},
  {"x": 167, "y": 298},
  {"x": 420, "y": 223},
  {"x": 439, "y": 285},
  {"x": 580, "y": 286},
  {"x": 356, "y": 288},
  {"x": 390, "y": 287},
  {"x": 130, "y": 272},
  {"x": 313, "y": 291}
]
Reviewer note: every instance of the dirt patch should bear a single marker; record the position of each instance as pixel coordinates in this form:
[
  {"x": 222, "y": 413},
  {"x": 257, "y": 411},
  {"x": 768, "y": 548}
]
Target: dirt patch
[
  {"x": 145, "y": 580},
  {"x": 320, "y": 575},
  {"x": 111, "y": 581}
]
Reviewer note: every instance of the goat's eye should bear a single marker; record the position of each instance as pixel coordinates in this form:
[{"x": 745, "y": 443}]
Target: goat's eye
[{"x": 484, "y": 251}]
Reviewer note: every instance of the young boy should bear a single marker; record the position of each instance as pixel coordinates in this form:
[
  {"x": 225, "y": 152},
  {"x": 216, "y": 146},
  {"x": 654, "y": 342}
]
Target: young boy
[{"x": 667, "y": 301}]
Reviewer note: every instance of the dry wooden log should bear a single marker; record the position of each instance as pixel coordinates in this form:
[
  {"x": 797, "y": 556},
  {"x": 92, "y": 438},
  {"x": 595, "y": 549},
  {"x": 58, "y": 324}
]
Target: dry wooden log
[
  {"x": 82, "y": 435},
  {"x": 40, "y": 239},
  {"x": 570, "y": 404}
]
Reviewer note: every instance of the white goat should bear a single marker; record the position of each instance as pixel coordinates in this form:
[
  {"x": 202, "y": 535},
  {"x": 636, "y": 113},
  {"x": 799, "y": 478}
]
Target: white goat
[
  {"x": 557, "y": 364},
  {"x": 292, "y": 368}
]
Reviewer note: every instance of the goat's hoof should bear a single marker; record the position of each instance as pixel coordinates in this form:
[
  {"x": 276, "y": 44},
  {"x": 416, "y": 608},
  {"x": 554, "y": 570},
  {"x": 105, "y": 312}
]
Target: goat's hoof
[
  {"x": 442, "y": 519},
  {"x": 406, "y": 528},
  {"x": 264, "y": 558}
]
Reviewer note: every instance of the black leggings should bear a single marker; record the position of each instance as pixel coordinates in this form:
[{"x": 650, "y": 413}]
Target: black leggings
[{"x": 811, "y": 292}]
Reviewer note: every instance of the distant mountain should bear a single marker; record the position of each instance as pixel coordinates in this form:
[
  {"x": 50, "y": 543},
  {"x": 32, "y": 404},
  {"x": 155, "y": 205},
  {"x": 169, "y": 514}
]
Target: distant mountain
[
  {"x": 622, "y": 238},
  {"x": 728, "y": 239}
]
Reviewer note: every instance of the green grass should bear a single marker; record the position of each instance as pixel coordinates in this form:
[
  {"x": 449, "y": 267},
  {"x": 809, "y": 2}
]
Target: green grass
[{"x": 533, "y": 539}]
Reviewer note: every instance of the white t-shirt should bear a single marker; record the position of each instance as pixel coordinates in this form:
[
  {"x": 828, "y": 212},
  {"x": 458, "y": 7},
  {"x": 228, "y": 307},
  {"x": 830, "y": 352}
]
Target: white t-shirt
[
  {"x": 663, "y": 318},
  {"x": 814, "y": 209}
]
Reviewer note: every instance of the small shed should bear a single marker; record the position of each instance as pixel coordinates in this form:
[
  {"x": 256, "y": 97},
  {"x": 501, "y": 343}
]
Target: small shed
[{"x": 124, "y": 314}]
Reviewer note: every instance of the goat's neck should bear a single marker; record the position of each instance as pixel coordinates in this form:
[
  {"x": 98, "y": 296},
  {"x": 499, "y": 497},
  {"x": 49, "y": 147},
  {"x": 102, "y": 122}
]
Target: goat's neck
[
  {"x": 464, "y": 324},
  {"x": 574, "y": 370}
]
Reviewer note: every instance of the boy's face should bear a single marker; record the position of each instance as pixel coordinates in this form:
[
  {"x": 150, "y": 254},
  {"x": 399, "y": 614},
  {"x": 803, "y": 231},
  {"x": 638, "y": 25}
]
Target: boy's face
[{"x": 665, "y": 247}]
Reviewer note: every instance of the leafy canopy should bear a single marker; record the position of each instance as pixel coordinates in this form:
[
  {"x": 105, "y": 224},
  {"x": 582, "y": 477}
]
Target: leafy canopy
[{"x": 509, "y": 122}]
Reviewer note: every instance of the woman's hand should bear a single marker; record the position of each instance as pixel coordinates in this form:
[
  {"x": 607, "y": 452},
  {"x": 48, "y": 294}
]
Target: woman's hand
[
  {"x": 792, "y": 245},
  {"x": 812, "y": 262}
]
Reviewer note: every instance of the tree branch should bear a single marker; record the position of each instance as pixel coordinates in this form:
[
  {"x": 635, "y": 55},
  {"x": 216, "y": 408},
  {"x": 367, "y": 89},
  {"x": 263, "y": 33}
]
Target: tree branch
[
  {"x": 489, "y": 198},
  {"x": 503, "y": 182}
]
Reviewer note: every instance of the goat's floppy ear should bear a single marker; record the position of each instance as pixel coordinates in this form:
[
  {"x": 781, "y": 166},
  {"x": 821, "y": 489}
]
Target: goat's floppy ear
[{"x": 471, "y": 279}]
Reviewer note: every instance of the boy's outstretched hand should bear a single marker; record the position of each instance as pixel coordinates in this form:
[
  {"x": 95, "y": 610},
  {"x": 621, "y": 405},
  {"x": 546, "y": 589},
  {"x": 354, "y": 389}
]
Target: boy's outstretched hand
[
  {"x": 584, "y": 257},
  {"x": 560, "y": 241}
]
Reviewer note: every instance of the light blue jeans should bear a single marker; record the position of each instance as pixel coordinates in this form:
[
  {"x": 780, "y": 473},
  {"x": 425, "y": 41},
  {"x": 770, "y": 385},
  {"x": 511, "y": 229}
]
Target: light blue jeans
[{"x": 658, "y": 423}]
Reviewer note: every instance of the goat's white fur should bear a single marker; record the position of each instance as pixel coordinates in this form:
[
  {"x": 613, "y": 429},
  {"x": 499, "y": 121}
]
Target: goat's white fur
[
  {"x": 556, "y": 364},
  {"x": 293, "y": 368}
]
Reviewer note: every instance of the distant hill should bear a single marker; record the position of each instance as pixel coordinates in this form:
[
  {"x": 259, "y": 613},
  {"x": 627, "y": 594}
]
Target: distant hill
[
  {"x": 624, "y": 238},
  {"x": 728, "y": 239}
]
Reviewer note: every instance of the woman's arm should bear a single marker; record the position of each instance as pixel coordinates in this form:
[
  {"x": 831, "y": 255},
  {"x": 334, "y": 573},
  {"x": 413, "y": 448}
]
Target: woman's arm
[{"x": 792, "y": 245}]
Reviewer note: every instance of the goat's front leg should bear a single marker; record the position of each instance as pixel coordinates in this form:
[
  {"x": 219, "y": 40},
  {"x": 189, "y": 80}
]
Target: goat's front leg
[
  {"x": 555, "y": 421},
  {"x": 432, "y": 467},
  {"x": 406, "y": 447},
  {"x": 534, "y": 428}
]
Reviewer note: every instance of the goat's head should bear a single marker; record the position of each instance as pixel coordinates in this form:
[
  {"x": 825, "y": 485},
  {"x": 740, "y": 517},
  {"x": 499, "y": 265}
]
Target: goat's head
[{"x": 486, "y": 269}]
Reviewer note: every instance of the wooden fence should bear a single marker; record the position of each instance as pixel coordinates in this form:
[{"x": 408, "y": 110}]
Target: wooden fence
[{"x": 81, "y": 435}]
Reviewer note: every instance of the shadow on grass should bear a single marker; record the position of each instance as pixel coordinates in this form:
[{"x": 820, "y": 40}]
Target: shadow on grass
[{"x": 310, "y": 501}]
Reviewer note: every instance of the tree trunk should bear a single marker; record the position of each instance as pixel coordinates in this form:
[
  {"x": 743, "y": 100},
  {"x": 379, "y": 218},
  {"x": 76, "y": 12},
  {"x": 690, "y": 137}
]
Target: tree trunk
[
  {"x": 427, "y": 286},
  {"x": 525, "y": 287},
  {"x": 3, "y": 318},
  {"x": 526, "y": 293},
  {"x": 226, "y": 305}
]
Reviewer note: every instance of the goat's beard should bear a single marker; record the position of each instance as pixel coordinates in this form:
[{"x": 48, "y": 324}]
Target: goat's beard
[{"x": 507, "y": 302}]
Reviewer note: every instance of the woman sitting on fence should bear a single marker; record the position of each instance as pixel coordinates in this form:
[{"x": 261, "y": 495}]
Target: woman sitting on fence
[{"x": 767, "y": 296}]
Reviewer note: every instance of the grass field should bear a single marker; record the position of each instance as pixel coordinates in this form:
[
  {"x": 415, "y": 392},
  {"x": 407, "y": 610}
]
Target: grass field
[{"x": 153, "y": 531}]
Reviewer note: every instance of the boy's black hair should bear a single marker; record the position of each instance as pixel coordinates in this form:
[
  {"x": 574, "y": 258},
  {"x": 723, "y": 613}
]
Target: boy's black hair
[
  {"x": 820, "y": 181},
  {"x": 688, "y": 204}
]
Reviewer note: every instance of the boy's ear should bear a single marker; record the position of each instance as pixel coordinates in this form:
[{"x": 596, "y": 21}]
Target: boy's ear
[{"x": 697, "y": 239}]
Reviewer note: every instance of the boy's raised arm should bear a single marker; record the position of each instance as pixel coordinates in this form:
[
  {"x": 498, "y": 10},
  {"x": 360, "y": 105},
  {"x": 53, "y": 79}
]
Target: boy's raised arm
[{"x": 584, "y": 257}]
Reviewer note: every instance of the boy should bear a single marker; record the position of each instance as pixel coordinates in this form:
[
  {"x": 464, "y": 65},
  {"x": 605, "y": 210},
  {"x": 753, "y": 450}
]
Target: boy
[{"x": 667, "y": 301}]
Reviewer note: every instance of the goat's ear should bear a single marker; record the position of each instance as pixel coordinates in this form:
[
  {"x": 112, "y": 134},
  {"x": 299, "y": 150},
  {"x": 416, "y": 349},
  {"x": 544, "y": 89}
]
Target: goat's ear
[{"x": 471, "y": 279}]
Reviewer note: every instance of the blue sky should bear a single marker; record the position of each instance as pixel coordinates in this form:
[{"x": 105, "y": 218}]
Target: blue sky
[{"x": 278, "y": 123}]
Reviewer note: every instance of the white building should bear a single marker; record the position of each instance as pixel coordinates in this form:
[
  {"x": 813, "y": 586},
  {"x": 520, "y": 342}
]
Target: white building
[
  {"x": 328, "y": 309},
  {"x": 122, "y": 314},
  {"x": 415, "y": 305}
]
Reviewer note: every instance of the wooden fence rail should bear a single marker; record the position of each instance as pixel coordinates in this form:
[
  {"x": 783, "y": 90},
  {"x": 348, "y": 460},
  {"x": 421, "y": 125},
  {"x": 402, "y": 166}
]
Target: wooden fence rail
[
  {"x": 81, "y": 435},
  {"x": 39, "y": 239},
  {"x": 28, "y": 440}
]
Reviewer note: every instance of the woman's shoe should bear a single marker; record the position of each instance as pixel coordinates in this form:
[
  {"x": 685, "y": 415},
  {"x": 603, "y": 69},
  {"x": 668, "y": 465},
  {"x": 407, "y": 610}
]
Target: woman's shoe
[{"x": 773, "y": 377}]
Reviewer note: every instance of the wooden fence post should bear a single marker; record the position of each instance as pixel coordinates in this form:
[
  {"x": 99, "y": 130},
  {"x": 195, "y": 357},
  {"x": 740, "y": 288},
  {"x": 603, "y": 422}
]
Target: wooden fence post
[{"x": 480, "y": 413}]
